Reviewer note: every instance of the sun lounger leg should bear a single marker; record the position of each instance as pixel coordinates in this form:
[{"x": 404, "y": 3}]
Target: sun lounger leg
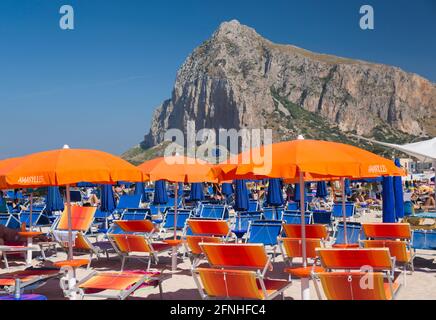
[
  {"x": 123, "y": 260},
  {"x": 318, "y": 292},
  {"x": 5, "y": 259},
  {"x": 305, "y": 289}
]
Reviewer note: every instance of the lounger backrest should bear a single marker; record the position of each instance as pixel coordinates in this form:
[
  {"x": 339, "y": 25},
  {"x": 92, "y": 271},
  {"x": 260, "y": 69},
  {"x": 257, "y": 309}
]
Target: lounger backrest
[
  {"x": 348, "y": 286},
  {"x": 213, "y": 212},
  {"x": 81, "y": 242},
  {"x": 354, "y": 231},
  {"x": 264, "y": 232},
  {"x": 378, "y": 259},
  {"x": 253, "y": 205},
  {"x": 243, "y": 219},
  {"x": 141, "y": 226},
  {"x": 314, "y": 231},
  {"x": 230, "y": 283},
  {"x": 249, "y": 256},
  {"x": 292, "y": 206},
  {"x": 135, "y": 214},
  {"x": 128, "y": 243},
  {"x": 273, "y": 213},
  {"x": 294, "y": 217},
  {"x": 293, "y": 247},
  {"x": 81, "y": 218},
  {"x": 349, "y": 210},
  {"x": 194, "y": 242},
  {"x": 397, "y": 249},
  {"x": 182, "y": 216},
  {"x": 209, "y": 227},
  {"x": 387, "y": 230},
  {"x": 129, "y": 201},
  {"x": 322, "y": 217}
]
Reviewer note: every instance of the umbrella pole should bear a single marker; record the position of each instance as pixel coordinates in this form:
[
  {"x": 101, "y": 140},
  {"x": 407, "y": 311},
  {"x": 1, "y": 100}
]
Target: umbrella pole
[
  {"x": 305, "y": 290},
  {"x": 174, "y": 249},
  {"x": 344, "y": 215},
  {"x": 31, "y": 211},
  {"x": 70, "y": 231}
]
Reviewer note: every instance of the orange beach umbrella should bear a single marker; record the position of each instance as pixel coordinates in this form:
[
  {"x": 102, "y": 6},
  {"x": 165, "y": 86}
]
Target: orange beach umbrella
[
  {"x": 307, "y": 159},
  {"x": 178, "y": 169},
  {"x": 66, "y": 167}
]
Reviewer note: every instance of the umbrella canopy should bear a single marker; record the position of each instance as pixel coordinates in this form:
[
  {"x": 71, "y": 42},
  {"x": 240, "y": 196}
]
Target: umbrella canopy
[
  {"x": 398, "y": 194},
  {"x": 227, "y": 189},
  {"x": 320, "y": 159},
  {"x": 107, "y": 198},
  {"x": 67, "y": 167},
  {"x": 160, "y": 192},
  {"x": 178, "y": 169},
  {"x": 388, "y": 200},
  {"x": 197, "y": 192},
  {"x": 274, "y": 196},
  {"x": 321, "y": 189},
  {"x": 241, "y": 196},
  {"x": 54, "y": 201}
]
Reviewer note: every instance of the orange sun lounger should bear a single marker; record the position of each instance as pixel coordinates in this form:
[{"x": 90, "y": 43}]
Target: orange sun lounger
[
  {"x": 81, "y": 222},
  {"x": 357, "y": 274},
  {"x": 192, "y": 246},
  {"x": 218, "y": 228},
  {"x": 30, "y": 279},
  {"x": 291, "y": 248},
  {"x": 313, "y": 231},
  {"x": 237, "y": 271},
  {"x": 396, "y": 237},
  {"x": 117, "y": 285}
]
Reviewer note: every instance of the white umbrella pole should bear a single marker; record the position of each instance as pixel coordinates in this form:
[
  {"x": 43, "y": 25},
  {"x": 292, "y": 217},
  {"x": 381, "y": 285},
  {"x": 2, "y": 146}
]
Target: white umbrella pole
[
  {"x": 344, "y": 214},
  {"x": 31, "y": 210},
  {"x": 70, "y": 224},
  {"x": 174, "y": 251},
  {"x": 305, "y": 289}
]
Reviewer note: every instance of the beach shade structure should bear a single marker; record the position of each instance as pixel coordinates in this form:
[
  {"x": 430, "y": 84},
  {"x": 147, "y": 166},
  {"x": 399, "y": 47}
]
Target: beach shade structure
[
  {"x": 321, "y": 189},
  {"x": 140, "y": 190},
  {"x": 297, "y": 193},
  {"x": 54, "y": 201},
  {"x": 160, "y": 193},
  {"x": 274, "y": 196},
  {"x": 107, "y": 198},
  {"x": 178, "y": 169},
  {"x": 307, "y": 160},
  {"x": 197, "y": 192},
  {"x": 66, "y": 167},
  {"x": 241, "y": 196},
  {"x": 398, "y": 194},
  {"x": 227, "y": 189},
  {"x": 388, "y": 199}
]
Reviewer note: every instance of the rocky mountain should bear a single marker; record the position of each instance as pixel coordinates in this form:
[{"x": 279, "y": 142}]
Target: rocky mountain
[{"x": 238, "y": 79}]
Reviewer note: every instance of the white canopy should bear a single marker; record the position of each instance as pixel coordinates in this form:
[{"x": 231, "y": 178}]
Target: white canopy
[{"x": 424, "y": 151}]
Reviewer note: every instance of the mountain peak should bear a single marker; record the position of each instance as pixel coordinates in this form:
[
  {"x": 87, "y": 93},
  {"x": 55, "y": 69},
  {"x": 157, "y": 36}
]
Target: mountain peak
[{"x": 234, "y": 27}]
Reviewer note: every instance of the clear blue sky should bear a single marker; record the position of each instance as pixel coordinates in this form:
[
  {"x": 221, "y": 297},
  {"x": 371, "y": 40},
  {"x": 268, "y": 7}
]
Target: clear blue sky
[{"x": 97, "y": 86}]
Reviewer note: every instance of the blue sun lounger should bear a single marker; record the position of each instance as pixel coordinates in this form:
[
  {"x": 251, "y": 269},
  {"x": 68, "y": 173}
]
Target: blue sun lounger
[
  {"x": 424, "y": 239},
  {"x": 349, "y": 210},
  {"x": 265, "y": 232},
  {"x": 354, "y": 232},
  {"x": 39, "y": 218},
  {"x": 292, "y": 206},
  {"x": 294, "y": 217},
  {"x": 10, "y": 221},
  {"x": 182, "y": 216},
  {"x": 217, "y": 212},
  {"x": 322, "y": 217},
  {"x": 128, "y": 202},
  {"x": 272, "y": 213},
  {"x": 253, "y": 206}
]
